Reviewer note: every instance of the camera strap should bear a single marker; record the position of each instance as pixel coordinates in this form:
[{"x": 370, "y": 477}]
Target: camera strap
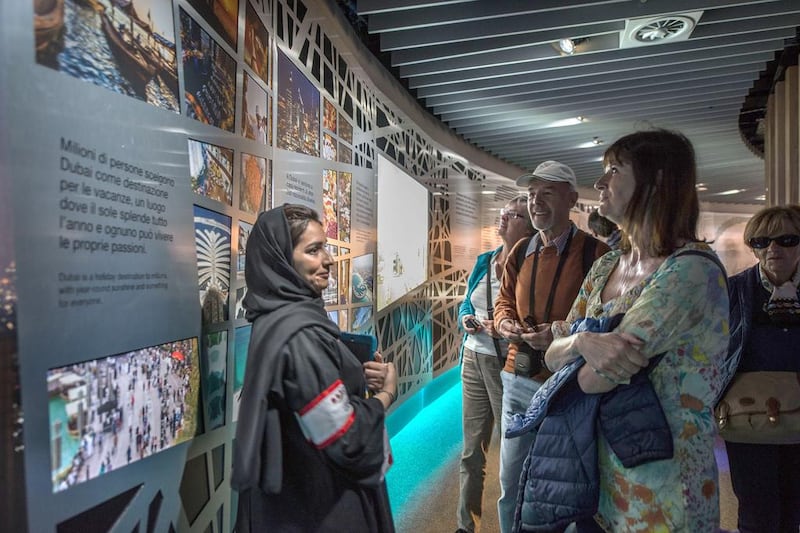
[
  {"x": 561, "y": 260},
  {"x": 490, "y": 307}
]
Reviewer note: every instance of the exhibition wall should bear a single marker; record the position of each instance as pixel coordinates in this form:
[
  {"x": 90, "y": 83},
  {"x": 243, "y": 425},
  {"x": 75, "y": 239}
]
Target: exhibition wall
[
  {"x": 140, "y": 141},
  {"x": 145, "y": 138}
]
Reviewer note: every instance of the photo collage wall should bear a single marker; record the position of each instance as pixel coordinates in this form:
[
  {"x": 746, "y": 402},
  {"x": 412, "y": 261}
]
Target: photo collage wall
[{"x": 249, "y": 97}]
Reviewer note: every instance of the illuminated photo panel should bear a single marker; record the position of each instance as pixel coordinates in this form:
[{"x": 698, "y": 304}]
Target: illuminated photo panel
[
  {"x": 402, "y": 233},
  {"x": 107, "y": 413}
]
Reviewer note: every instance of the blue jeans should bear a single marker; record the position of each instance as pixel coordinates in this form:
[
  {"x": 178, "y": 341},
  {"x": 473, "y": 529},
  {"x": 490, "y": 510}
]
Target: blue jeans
[{"x": 517, "y": 394}]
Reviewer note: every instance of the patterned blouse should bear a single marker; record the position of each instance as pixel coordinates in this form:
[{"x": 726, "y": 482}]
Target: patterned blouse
[{"x": 680, "y": 309}]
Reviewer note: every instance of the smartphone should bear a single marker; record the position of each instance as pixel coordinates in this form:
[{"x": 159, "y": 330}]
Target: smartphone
[
  {"x": 473, "y": 323},
  {"x": 362, "y": 346}
]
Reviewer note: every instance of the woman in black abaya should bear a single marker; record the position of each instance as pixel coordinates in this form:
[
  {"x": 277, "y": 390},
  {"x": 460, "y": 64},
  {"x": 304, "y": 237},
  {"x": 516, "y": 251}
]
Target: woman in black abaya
[{"x": 311, "y": 449}]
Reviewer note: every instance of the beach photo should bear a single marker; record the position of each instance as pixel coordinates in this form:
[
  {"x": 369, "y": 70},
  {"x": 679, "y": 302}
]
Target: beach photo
[
  {"x": 126, "y": 46},
  {"x": 241, "y": 245},
  {"x": 107, "y": 413},
  {"x": 241, "y": 342}
]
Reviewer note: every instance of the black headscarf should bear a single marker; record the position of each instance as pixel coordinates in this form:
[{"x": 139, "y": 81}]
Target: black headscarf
[{"x": 279, "y": 303}]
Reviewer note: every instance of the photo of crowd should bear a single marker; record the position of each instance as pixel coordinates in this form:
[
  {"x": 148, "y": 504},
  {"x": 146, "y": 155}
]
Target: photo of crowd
[{"x": 107, "y": 413}]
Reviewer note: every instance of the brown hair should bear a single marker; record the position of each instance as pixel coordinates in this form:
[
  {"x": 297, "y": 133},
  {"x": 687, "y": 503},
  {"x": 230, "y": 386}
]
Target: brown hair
[
  {"x": 298, "y": 217},
  {"x": 664, "y": 208},
  {"x": 769, "y": 220}
]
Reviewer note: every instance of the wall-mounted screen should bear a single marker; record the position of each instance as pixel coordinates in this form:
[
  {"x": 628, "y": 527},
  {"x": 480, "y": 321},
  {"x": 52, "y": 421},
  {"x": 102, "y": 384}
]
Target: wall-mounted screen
[{"x": 402, "y": 233}]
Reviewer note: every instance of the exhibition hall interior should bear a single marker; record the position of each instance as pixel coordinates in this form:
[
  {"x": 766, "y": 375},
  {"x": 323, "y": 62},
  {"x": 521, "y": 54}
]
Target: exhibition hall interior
[{"x": 141, "y": 140}]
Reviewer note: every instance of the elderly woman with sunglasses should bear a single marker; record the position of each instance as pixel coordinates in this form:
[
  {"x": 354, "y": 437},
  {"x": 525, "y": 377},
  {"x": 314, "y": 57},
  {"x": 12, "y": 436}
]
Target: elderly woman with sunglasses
[{"x": 765, "y": 334}]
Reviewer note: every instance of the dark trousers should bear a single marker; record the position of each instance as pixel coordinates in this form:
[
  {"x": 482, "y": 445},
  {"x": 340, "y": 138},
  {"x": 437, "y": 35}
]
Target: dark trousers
[{"x": 766, "y": 480}]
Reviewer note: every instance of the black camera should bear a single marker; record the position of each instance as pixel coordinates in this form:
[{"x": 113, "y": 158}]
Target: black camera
[{"x": 529, "y": 361}]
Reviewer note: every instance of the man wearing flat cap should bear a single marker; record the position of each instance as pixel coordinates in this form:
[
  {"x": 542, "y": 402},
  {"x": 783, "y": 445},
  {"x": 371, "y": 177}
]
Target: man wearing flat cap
[{"x": 541, "y": 279}]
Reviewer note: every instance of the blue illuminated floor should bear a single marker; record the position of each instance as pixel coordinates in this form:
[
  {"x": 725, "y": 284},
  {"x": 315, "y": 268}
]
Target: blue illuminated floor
[{"x": 423, "y": 450}]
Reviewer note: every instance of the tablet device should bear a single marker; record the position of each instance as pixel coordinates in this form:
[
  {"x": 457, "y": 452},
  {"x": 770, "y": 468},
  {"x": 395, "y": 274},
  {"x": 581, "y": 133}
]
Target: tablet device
[{"x": 362, "y": 346}]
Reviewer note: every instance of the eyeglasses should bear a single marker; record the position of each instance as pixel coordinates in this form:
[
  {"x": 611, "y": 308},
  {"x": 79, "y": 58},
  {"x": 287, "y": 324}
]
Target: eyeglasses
[
  {"x": 510, "y": 214},
  {"x": 785, "y": 241}
]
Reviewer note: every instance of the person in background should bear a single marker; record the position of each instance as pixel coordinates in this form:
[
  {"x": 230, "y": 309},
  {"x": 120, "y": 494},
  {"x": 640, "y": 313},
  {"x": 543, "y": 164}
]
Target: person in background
[
  {"x": 311, "y": 449},
  {"x": 671, "y": 290},
  {"x": 602, "y": 227},
  {"x": 765, "y": 331},
  {"x": 483, "y": 354},
  {"x": 541, "y": 278}
]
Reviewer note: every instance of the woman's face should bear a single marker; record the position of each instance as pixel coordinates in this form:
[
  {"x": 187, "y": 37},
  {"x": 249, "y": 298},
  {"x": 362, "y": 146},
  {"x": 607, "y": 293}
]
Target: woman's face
[
  {"x": 778, "y": 262},
  {"x": 311, "y": 260},
  {"x": 616, "y": 188}
]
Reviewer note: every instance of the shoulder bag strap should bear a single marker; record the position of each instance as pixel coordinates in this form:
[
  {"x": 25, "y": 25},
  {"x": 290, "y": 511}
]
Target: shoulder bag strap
[{"x": 490, "y": 307}]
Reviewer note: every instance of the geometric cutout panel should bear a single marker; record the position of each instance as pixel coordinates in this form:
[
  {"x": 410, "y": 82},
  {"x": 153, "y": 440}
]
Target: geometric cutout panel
[
  {"x": 153, "y": 510},
  {"x": 101, "y": 517},
  {"x": 218, "y": 464},
  {"x": 194, "y": 487}
]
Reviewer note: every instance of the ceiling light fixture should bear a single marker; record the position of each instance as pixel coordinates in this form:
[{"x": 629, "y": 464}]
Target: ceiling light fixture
[
  {"x": 730, "y": 192},
  {"x": 567, "y": 122},
  {"x": 567, "y": 46},
  {"x": 597, "y": 140}
]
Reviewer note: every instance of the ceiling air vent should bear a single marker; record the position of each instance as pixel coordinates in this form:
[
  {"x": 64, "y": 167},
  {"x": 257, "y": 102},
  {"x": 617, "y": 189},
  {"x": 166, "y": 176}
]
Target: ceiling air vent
[{"x": 656, "y": 30}]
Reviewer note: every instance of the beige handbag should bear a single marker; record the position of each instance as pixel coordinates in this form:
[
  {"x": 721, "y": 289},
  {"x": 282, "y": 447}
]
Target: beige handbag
[{"x": 761, "y": 408}]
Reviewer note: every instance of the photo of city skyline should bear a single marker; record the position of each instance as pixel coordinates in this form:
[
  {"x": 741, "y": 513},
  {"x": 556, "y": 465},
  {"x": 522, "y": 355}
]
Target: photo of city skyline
[
  {"x": 209, "y": 76},
  {"x": 298, "y": 110}
]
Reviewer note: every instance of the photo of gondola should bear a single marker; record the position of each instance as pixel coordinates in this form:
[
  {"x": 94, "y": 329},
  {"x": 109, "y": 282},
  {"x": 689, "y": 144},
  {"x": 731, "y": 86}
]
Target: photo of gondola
[{"x": 127, "y": 46}]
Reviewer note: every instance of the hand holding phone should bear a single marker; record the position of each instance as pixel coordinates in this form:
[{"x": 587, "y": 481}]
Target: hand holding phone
[{"x": 472, "y": 323}]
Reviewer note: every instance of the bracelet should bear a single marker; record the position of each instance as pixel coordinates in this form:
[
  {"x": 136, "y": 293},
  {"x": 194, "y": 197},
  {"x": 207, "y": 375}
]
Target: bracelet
[
  {"x": 392, "y": 397},
  {"x": 605, "y": 376}
]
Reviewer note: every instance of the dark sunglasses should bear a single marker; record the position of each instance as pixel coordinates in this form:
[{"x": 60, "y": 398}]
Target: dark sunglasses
[{"x": 785, "y": 241}]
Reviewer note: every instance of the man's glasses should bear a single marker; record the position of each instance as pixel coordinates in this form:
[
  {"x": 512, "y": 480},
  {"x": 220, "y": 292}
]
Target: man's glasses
[
  {"x": 510, "y": 214},
  {"x": 785, "y": 241}
]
